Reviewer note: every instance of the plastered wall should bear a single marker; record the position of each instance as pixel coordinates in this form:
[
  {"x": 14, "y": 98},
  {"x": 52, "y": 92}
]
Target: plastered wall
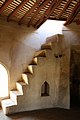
[
  {"x": 18, "y": 45},
  {"x": 71, "y": 37},
  {"x": 14, "y": 53},
  {"x": 47, "y": 69}
]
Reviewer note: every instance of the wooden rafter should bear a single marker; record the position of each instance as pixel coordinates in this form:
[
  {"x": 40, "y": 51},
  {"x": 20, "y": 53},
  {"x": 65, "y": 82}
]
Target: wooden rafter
[
  {"x": 4, "y": 6},
  {"x": 45, "y": 14},
  {"x": 41, "y": 10},
  {"x": 60, "y": 19},
  {"x": 44, "y": 3},
  {"x": 46, "y": 17},
  {"x": 73, "y": 14},
  {"x": 30, "y": 11},
  {"x": 65, "y": 7},
  {"x": 16, "y": 9}
]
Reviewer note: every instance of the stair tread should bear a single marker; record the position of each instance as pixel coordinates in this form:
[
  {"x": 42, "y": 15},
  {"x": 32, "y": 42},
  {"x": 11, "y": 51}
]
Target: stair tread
[
  {"x": 46, "y": 46},
  {"x": 8, "y": 102},
  {"x": 25, "y": 78},
  {"x": 21, "y": 83},
  {"x": 16, "y": 92},
  {"x": 40, "y": 53},
  {"x": 34, "y": 61},
  {"x": 30, "y": 69}
]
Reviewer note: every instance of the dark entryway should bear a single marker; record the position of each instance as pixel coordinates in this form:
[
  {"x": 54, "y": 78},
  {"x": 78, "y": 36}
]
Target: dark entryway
[{"x": 75, "y": 79}]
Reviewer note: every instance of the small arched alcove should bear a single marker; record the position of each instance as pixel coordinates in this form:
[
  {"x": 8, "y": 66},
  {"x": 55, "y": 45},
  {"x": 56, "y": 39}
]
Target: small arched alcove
[
  {"x": 3, "y": 81},
  {"x": 45, "y": 89}
]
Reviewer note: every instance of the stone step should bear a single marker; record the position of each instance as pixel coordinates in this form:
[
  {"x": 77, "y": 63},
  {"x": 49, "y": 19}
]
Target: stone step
[
  {"x": 20, "y": 87},
  {"x": 34, "y": 61},
  {"x": 6, "y": 104},
  {"x": 14, "y": 95},
  {"x": 30, "y": 69},
  {"x": 46, "y": 46},
  {"x": 40, "y": 53},
  {"x": 25, "y": 78}
]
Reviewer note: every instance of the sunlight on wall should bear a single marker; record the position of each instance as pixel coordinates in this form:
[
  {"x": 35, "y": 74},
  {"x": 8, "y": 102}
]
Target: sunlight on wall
[{"x": 3, "y": 81}]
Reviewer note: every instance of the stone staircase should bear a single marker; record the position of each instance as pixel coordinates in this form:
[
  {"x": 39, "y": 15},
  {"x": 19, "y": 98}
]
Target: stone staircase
[{"x": 11, "y": 104}]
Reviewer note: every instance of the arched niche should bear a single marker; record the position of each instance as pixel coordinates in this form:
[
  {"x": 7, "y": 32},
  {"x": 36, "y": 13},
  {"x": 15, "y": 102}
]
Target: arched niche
[
  {"x": 45, "y": 89},
  {"x": 3, "y": 81}
]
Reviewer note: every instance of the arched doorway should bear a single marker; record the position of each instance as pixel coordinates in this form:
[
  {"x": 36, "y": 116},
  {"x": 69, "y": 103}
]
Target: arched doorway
[{"x": 3, "y": 81}]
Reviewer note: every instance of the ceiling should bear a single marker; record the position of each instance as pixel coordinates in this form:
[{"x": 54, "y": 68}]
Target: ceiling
[{"x": 36, "y": 12}]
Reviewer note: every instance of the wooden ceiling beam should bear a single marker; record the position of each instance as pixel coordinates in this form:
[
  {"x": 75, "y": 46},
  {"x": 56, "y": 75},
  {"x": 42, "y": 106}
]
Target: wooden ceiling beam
[
  {"x": 35, "y": 14},
  {"x": 4, "y": 6},
  {"x": 52, "y": 10},
  {"x": 65, "y": 7},
  {"x": 45, "y": 14},
  {"x": 30, "y": 11},
  {"x": 75, "y": 11},
  {"x": 16, "y": 9},
  {"x": 61, "y": 19}
]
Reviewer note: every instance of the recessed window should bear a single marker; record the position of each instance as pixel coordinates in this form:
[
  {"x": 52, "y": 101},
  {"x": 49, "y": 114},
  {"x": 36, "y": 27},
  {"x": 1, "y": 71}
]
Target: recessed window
[
  {"x": 3, "y": 81},
  {"x": 45, "y": 89}
]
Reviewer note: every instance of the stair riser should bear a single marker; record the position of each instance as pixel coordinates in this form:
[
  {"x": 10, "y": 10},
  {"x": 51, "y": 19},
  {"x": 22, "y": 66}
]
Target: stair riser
[
  {"x": 19, "y": 88},
  {"x": 46, "y": 47},
  {"x": 41, "y": 53},
  {"x": 4, "y": 109},
  {"x": 10, "y": 110},
  {"x": 19, "y": 99},
  {"x": 13, "y": 97},
  {"x": 25, "y": 78}
]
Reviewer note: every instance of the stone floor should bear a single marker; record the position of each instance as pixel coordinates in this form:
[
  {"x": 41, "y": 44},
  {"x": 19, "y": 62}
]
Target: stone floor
[{"x": 46, "y": 114}]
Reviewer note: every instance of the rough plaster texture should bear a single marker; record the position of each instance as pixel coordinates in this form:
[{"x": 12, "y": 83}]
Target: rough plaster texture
[
  {"x": 18, "y": 45},
  {"x": 16, "y": 51},
  {"x": 70, "y": 39},
  {"x": 56, "y": 71},
  {"x": 13, "y": 51},
  {"x": 63, "y": 83},
  {"x": 53, "y": 70},
  {"x": 71, "y": 35},
  {"x": 47, "y": 69}
]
